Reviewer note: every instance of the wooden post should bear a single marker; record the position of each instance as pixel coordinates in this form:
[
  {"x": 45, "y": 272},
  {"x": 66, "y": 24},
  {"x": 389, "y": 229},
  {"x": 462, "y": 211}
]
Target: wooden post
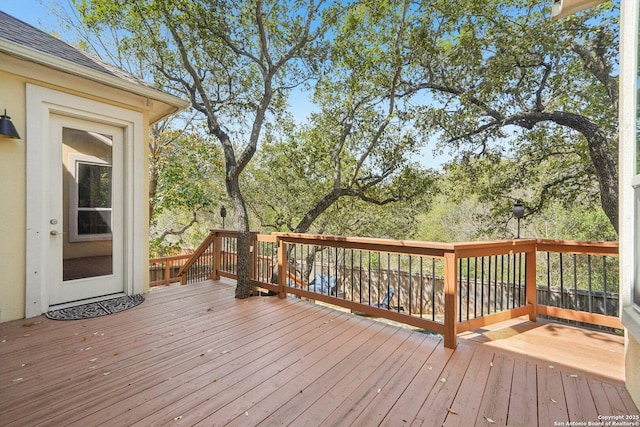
[
  {"x": 530, "y": 281},
  {"x": 167, "y": 272},
  {"x": 217, "y": 255},
  {"x": 282, "y": 268},
  {"x": 253, "y": 251},
  {"x": 450, "y": 300}
]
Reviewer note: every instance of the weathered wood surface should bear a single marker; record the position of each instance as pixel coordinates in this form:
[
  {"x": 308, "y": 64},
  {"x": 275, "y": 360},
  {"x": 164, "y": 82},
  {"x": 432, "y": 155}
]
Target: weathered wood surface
[{"x": 194, "y": 355}]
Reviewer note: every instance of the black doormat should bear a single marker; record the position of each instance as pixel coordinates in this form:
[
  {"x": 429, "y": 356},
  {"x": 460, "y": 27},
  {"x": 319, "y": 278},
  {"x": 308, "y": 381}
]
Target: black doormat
[{"x": 96, "y": 309}]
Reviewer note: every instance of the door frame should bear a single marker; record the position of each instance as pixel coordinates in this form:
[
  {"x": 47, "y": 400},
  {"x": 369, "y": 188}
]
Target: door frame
[{"x": 41, "y": 104}]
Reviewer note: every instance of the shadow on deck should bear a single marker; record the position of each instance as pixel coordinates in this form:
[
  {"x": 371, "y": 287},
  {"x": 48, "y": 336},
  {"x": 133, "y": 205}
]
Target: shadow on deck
[{"x": 194, "y": 355}]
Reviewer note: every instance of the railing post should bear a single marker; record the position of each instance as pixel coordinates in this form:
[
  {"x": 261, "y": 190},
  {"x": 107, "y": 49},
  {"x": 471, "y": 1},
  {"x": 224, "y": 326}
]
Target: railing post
[
  {"x": 167, "y": 272},
  {"x": 217, "y": 256},
  {"x": 253, "y": 253},
  {"x": 450, "y": 300},
  {"x": 282, "y": 268},
  {"x": 530, "y": 282}
]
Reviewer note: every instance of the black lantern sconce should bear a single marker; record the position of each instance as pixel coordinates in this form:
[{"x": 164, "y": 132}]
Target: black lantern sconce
[
  {"x": 7, "y": 129},
  {"x": 518, "y": 213},
  {"x": 223, "y": 214}
]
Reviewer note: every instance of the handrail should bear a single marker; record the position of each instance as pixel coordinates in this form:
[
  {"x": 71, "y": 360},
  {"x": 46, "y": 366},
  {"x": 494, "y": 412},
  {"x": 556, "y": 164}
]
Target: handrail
[
  {"x": 213, "y": 234},
  {"x": 463, "y": 272}
]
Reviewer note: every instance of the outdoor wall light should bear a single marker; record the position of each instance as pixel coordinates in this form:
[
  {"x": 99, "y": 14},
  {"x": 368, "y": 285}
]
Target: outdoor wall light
[
  {"x": 223, "y": 214},
  {"x": 518, "y": 213},
  {"x": 7, "y": 129}
]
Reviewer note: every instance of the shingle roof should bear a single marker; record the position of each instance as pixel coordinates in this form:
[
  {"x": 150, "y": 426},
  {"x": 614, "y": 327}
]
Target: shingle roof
[{"x": 19, "y": 32}]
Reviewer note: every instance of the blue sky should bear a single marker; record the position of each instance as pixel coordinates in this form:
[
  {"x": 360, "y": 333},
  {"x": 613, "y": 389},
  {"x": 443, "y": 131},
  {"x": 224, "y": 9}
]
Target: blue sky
[{"x": 29, "y": 11}]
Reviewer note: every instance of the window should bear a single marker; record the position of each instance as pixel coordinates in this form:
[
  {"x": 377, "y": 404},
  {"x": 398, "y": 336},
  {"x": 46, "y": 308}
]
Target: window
[{"x": 90, "y": 205}]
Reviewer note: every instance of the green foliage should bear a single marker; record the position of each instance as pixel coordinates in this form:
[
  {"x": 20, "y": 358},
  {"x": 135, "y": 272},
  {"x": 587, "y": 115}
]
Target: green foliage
[
  {"x": 511, "y": 87},
  {"x": 462, "y": 210},
  {"x": 527, "y": 105},
  {"x": 186, "y": 184}
]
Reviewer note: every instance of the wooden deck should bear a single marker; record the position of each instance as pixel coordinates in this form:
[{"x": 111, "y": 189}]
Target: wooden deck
[{"x": 194, "y": 355}]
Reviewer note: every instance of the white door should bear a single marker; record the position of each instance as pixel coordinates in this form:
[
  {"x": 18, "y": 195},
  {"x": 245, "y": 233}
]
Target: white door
[{"x": 86, "y": 210}]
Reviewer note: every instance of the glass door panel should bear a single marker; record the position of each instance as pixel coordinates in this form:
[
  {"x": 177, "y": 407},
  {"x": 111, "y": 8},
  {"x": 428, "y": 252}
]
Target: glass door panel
[{"x": 87, "y": 200}]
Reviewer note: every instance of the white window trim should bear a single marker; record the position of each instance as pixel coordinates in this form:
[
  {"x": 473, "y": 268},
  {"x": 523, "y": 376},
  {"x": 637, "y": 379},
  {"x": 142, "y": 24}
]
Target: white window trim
[
  {"x": 629, "y": 180},
  {"x": 74, "y": 236},
  {"x": 41, "y": 103}
]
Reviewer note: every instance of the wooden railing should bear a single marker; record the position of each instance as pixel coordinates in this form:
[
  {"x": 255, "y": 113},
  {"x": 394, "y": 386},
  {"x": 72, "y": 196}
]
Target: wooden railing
[
  {"x": 164, "y": 270},
  {"x": 439, "y": 287}
]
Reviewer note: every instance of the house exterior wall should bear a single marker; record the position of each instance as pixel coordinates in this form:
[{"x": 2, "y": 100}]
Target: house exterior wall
[
  {"x": 628, "y": 177},
  {"x": 12, "y": 201},
  {"x": 15, "y": 74}
]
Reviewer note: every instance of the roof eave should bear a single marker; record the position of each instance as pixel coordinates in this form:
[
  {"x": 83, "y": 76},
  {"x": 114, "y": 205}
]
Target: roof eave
[{"x": 173, "y": 103}]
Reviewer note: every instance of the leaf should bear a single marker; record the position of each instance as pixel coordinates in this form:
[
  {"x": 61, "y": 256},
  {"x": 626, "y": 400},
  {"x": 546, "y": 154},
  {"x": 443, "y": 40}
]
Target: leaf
[
  {"x": 16, "y": 380},
  {"x": 553, "y": 400},
  {"x": 443, "y": 380},
  {"x": 179, "y": 417},
  {"x": 25, "y": 335},
  {"x": 573, "y": 376},
  {"x": 28, "y": 325},
  {"x": 489, "y": 420},
  {"x": 451, "y": 411},
  {"x": 550, "y": 366}
]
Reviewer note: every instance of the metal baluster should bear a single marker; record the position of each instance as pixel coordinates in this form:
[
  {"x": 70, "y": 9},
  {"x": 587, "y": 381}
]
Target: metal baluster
[
  {"x": 561, "y": 282},
  {"x": 433, "y": 289},
  {"x": 589, "y": 279},
  {"x": 604, "y": 282}
]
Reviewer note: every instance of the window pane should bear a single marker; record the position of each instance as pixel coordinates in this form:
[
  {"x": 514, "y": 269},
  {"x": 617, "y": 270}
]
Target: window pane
[
  {"x": 94, "y": 222},
  {"x": 94, "y": 186}
]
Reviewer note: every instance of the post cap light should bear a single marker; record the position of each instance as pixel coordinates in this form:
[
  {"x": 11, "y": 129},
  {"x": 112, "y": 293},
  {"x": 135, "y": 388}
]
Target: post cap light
[{"x": 518, "y": 209}]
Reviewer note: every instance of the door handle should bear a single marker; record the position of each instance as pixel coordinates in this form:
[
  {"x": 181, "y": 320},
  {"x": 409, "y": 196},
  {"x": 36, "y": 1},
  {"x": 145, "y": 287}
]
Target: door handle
[{"x": 55, "y": 233}]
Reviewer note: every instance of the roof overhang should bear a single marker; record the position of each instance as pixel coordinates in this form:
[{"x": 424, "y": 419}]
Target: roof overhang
[
  {"x": 563, "y": 8},
  {"x": 165, "y": 104}
]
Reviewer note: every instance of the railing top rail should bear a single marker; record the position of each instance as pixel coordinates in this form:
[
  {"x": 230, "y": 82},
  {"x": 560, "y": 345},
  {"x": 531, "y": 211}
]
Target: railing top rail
[
  {"x": 170, "y": 258},
  {"x": 267, "y": 238},
  {"x": 436, "y": 249},
  {"x": 578, "y": 247},
  {"x": 224, "y": 233},
  {"x": 495, "y": 247},
  {"x": 199, "y": 251}
]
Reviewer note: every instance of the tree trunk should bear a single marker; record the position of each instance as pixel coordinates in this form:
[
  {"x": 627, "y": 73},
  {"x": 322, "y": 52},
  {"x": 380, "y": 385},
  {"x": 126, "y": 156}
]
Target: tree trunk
[
  {"x": 243, "y": 260},
  {"x": 599, "y": 152}
]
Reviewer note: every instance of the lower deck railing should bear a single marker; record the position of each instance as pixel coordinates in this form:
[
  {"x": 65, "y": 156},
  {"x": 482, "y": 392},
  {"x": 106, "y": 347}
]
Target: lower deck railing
[
  {"x": 164, "y": 270},
  {"x": 443, "y": 288}
]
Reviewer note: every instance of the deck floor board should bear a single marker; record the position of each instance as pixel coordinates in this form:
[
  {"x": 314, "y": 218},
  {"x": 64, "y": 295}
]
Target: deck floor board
[{"x": 195, "y": 355}]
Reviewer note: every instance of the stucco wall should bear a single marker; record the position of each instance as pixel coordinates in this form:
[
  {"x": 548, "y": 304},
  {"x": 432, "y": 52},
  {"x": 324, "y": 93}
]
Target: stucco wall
[
  {"x": 12, "y": 201},
  {"x": 14, "y": 76}
]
